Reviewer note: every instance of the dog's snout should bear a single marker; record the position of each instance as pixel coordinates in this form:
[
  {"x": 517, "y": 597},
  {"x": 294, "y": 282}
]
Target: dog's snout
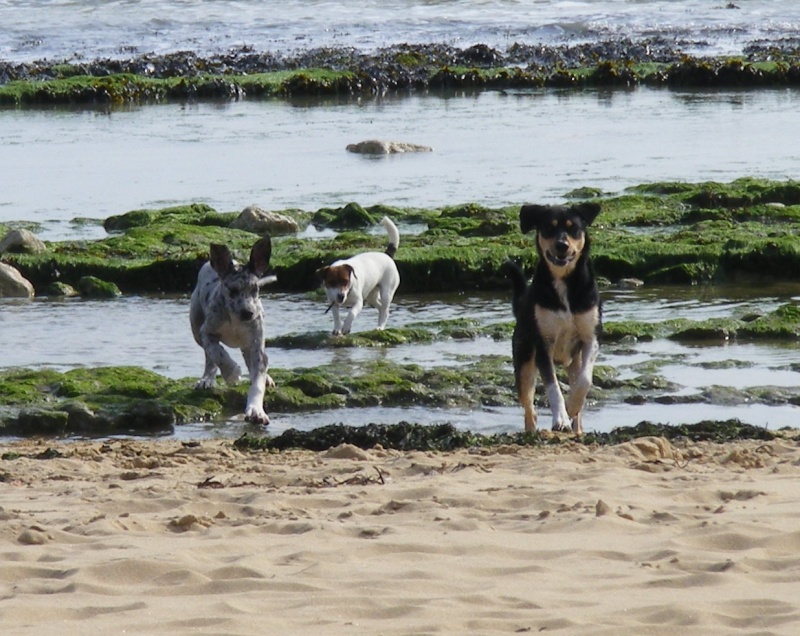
[
  {"x": 562, "y": 246},
  {"x": 340, "y": 297},
  {"x": 246, "y": 315}
]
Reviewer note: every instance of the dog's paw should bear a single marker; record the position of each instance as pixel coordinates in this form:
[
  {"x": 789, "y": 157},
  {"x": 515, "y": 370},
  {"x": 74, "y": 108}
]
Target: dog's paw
[
  {"x": 205, "y": 383},
  {"x": 256, "y": 415},
  {"x": 233, "y": 375},
  {"x": 562, "y": 422},
  {"x": 270, "y": 382},
  {"x": 577, "y": 427},
  {"x": 336, "y": 332}
]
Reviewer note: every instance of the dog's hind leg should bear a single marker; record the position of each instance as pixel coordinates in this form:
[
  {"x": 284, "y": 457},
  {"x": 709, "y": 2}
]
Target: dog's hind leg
[
  {"x": 526, "y": 389},
  {"x": 217, "y": 358},
  {"x": 383, "y": 302}
]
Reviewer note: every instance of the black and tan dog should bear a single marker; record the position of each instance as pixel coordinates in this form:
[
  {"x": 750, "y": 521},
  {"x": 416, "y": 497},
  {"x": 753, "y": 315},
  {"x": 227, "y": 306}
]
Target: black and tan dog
[{"x": 558, "y": 315}]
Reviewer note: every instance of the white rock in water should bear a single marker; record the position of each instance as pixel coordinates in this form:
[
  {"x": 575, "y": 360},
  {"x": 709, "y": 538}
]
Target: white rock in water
[
  {"x": 254, "y": 219},
  {"x": 379, "y": 147},
  {"x": 22, "y": 241},
  {"x": 13, "y": 284}
]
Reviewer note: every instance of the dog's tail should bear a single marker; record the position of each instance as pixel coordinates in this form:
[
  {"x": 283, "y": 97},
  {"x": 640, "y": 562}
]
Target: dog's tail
[
  {"x": 518, "y": 282},
  {"x": 394, "y": 236}
]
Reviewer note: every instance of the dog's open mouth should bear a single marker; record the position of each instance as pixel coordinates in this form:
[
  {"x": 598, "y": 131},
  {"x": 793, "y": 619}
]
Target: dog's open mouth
[{"x": 559, "y": 261}]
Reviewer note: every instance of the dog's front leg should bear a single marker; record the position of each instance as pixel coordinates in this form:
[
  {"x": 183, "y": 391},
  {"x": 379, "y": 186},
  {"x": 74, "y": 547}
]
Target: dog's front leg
[
  {"x": 547, "y": 370},
  {"x": 217, "y": 358},
  {"x": 257, "y": 364},
  {"x": 580, "y": 381},
  {"x": 352, "y": 315},
  {"x": 337, "y": 320}
]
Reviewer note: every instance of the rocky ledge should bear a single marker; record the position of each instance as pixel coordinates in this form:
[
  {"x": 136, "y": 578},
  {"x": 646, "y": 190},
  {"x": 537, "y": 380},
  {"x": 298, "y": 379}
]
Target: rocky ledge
[{"x": 245, "y": 72}]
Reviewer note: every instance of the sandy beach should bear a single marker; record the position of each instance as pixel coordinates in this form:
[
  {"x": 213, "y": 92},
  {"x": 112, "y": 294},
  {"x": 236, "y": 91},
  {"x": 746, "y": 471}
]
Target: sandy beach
[{"x": 152, "y": 537}]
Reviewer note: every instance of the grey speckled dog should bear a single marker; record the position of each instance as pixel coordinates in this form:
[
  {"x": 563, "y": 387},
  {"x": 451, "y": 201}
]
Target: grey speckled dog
[{"x": 226, "y": 309}]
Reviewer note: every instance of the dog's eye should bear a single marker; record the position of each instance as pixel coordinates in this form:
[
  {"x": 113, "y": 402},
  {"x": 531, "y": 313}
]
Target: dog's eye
[
  {"x": 548, "y": 232},
  {"x": 233, "y": 292}
]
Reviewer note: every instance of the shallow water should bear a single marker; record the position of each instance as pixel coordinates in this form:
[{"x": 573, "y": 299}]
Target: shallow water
[
  {"x": 153, "y": 333},
  {"x": 494, "y": 148}
]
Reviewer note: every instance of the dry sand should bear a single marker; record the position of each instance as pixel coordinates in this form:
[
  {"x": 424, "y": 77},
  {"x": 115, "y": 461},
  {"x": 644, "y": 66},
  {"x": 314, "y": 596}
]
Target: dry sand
[{"x": 156, "y": 537}]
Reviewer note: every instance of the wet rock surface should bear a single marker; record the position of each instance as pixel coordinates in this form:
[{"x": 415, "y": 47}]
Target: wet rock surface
[{"x": 406, "y": 67}]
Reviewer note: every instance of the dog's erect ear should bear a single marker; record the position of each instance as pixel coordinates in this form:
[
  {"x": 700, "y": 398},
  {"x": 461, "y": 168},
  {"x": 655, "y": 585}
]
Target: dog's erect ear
[
  {"x": 530, "y": 216},
  {"x": 587, "y": 211},
  {"x": 259, "y": 256},
  {"x": 221, "y": 259}
]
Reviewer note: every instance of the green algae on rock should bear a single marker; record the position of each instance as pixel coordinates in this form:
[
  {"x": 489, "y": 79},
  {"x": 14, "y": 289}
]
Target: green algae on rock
[
  {"x": 403, "y": 68},
  {"x": 93, "y": 287},
  {"x": 666, "y": 233},
  {"x": 98, "y": 401}
]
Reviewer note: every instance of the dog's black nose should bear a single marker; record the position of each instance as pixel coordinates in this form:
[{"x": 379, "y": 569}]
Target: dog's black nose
[
  {"x": 246, "y": 315},
  {"x": 561, "y": 247}
]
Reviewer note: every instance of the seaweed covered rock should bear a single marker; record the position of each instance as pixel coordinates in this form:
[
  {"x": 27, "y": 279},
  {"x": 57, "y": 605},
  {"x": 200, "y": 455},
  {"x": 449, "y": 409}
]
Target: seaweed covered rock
[
  {"x": 351, "y": 216},
  {"x": 658, "y": 233},
  {"x": 93, "y": 287},
  {"x": 104, "y": 401},
  {"x": 475, "y": 220},
  {"x": 192, "y": 214}
]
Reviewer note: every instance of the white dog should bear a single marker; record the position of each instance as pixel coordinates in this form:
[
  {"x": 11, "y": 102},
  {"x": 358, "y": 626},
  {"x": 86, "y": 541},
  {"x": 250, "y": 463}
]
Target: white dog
[
  {"x": 226, "y": 309},
  {"x": 371, "y": 278}
]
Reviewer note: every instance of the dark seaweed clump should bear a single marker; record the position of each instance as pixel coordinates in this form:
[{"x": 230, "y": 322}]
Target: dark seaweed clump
[
  {"x": 446, "y": 437},
  {"x": 705, "y": 431}
]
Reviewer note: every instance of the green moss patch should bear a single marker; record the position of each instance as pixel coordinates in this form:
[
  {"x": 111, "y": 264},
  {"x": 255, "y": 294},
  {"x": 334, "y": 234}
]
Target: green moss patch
[
  {"x": 665, "y": 233},
  {"x": 99, "y": 401}
]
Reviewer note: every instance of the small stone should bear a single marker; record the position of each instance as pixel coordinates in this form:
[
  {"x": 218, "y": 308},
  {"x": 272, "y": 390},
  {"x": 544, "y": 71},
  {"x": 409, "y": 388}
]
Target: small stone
[
  {"x": 601, "y": 508},
  {"x": 33, "y": 536}
]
